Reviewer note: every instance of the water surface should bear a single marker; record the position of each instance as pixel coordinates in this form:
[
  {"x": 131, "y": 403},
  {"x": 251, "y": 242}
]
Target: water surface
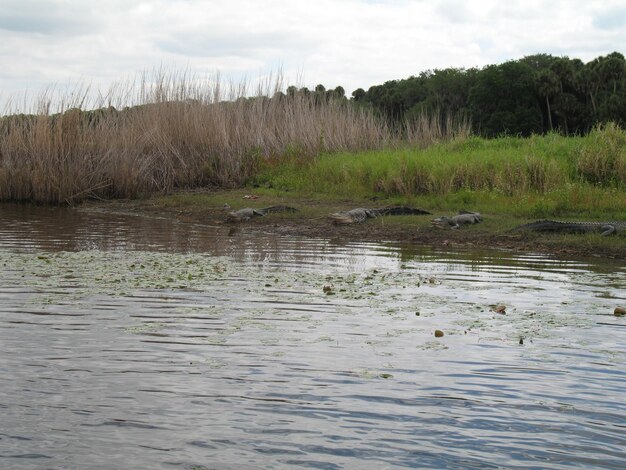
[{"x": 135, "y": 342}]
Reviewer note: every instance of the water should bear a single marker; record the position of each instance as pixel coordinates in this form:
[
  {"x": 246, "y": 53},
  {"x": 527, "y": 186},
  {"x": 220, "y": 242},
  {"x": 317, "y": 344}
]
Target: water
[{"x": 134, "y": 342}]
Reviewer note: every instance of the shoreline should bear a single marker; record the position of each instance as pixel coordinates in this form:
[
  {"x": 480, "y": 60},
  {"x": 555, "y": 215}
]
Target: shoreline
[{"x": 202, "y": 207}]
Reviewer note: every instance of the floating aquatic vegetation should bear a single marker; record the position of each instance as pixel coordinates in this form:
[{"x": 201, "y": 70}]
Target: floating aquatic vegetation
[
  {"x": 144, "y": 328},
  {"x": 433, "y": 346},
  {"x": 215, "y": 339},
  {"x": 215, "y": 363},
  {"x": 324, "y": 339},
  {"x": 238, "y": 292},
  {"x": 369, "y": 374},
  {"x": 114, "y": 272}
]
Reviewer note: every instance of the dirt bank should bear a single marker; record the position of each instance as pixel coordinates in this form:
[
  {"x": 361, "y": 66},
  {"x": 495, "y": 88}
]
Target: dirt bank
[{"x": 311, "y": 221}]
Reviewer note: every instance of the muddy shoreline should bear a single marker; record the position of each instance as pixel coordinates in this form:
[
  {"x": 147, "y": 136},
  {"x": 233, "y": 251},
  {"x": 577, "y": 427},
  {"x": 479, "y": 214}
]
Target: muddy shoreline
[{"x": 314, "y": 223}]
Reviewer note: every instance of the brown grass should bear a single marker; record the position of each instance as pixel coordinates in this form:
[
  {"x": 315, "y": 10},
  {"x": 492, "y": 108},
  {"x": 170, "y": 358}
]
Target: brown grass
[
  {"x": 429, "y": 129},
  {"x": 176, "y": 133}
]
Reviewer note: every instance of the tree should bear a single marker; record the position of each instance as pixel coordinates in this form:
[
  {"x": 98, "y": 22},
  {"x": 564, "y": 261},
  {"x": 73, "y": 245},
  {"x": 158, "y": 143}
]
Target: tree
[
  {"x": 571, "y": 113},
  {"x": 613, "y": 69},
  {"x": 613, "y": 108},
  {"x": 358, "y": 94},
  {"x": 502, "y": 100},
  {"x": 563, "y": 69},
  {"x": 320, "y": 94},
  {"x": 537, "y": 93},
  {"x": 538, "y": 62},
  {"x": 547, "y": 84},
  {"x": 279, "y": 96}
]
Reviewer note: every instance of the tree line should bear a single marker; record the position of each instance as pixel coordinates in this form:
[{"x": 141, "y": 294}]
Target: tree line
[{"x": 532, "y": 95}]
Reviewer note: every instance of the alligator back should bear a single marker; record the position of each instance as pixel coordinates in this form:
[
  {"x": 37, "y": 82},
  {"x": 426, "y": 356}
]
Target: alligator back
[
  {"x": 462, "y": 218},
  {"x": 241, "y": 215},
  {"x": 401, "y": 210},
  {"x": 248, "y": 213},
  {"x": 605, "y": 228},
  {"x": 360, "y": 214},
  {"x": 354, "y": 216},
  {"x": 271, "y": 209}
]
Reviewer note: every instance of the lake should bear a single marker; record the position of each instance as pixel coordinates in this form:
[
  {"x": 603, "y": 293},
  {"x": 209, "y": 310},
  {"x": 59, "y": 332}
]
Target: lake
[{"x": 139, "y": 342}]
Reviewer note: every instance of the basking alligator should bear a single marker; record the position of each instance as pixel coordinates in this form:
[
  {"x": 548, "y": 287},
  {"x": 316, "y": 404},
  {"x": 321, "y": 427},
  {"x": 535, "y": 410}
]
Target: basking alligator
[
  {"x": 605, "y": 228},
  {"x": 249, "y": 213},
  {"x": 462, "y": 218},
  {"x": 356, "y": 216}
]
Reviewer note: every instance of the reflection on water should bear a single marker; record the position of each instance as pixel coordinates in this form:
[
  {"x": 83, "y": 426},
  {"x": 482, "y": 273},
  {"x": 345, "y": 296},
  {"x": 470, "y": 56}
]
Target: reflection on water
[{"x": 132, "y": 342}]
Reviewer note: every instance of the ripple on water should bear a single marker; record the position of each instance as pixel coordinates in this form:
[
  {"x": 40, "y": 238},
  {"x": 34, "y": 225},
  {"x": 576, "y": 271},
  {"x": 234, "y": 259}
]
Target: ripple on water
[{"x": 138, "y": 343}]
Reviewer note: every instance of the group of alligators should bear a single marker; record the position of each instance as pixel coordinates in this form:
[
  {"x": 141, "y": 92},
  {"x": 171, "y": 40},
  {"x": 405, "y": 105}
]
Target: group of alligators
[{"x": 359, "y": 215}]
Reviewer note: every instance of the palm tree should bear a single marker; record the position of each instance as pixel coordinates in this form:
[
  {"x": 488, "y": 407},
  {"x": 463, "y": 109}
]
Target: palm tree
[{"x": 547, "y": 84}]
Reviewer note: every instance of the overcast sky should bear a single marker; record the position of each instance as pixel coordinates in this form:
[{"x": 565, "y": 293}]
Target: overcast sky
[{"x": 352, "y": 43}]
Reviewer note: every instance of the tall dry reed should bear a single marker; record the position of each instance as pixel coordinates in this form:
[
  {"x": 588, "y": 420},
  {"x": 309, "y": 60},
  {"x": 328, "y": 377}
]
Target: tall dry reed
[
  {"x": 166, "y": 132},
  {"x": 431, "y": 128}
]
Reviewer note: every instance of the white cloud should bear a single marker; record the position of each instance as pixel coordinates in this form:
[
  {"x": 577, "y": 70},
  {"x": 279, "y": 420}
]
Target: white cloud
[
  {"x": 456, "y": 11},
  {"x": 46, "y": 17},
  {"x": 353, "y": 43}
]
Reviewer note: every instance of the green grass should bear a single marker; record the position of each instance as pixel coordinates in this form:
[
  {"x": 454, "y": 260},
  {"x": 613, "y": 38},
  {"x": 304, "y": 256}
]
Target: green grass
[
  {"x": 537, "y": 177},
  {"x": 509, "y": 180}
]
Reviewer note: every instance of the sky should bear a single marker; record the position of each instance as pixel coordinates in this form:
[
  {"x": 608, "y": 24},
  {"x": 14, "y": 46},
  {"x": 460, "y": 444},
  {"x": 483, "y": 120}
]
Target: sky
[{"x": 352, "y": 43}]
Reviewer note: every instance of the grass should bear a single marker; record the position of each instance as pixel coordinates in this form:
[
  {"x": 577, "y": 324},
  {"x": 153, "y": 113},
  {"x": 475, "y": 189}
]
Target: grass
[
  {"x": 179, "y": 135},
  {"x": 537, "y": 177},
  {"x": 172, "y": 132}
]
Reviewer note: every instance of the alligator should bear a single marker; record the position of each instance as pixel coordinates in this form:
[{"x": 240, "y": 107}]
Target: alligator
[
  {"x": 358, "y": 215},
  {"x": 605, "y": 228},
  {"x": 248, "y": 213},
  {"x": 456, "y": 221}
]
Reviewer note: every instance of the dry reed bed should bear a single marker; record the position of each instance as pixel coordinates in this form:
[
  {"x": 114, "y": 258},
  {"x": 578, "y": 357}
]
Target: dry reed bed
[
  {"x": 175, "y": 132},
  {"x": 181, "y": 135}
]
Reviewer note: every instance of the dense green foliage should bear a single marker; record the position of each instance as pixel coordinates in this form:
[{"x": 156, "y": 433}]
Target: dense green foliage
[{"x": 533, "y": 95}]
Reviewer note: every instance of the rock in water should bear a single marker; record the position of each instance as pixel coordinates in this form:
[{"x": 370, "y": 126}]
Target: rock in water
[{"x": 500, "y": 309}]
